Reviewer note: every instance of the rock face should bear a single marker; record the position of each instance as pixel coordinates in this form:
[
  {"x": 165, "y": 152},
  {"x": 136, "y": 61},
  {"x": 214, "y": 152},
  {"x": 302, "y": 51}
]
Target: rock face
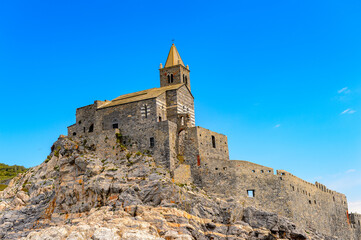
[{"x": 76, "y": 194}]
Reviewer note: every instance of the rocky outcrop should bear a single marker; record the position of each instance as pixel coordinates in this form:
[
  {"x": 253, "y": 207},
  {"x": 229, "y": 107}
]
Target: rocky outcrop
[{"x": 76, "y": 194}]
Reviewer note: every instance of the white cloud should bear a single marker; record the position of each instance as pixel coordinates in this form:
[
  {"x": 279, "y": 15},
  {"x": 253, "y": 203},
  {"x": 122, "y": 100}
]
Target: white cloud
[
  {"x": 350, "y": 171},
  {"x": 344, "y": 90},
  {"x": 348, "y": 111},
  {"x": 354, "y": 206},
  {"x": 277, "y": 126}
]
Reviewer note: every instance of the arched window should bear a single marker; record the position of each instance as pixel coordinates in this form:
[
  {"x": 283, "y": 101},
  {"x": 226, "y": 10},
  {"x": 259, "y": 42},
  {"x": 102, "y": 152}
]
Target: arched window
[
  {"x": 186, "y": 80},
  {"x": 159, "y": 119},
  {"x": 213, "y": 142},
  {"x": 168, "y": 78},
  {"x": 74, "y": 133},
  {"x": 91, "y": 128},
  {"x": 171, "y": 78},
  {"x": 115, "y": 124}
]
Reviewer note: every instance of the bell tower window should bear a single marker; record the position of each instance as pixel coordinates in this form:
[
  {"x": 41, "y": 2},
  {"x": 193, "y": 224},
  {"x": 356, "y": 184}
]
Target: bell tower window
[
  {"x": 171, "y": 78},
  {"x": 168, "y": 78}
]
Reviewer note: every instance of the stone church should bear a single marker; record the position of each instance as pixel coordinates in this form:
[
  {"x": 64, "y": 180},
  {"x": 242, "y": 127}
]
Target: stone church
[
  {"x": 161, "y": 122},
  {"x": 157, "y": 120}
]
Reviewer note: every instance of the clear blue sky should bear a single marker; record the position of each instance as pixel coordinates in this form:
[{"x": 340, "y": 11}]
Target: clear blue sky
[{"x": 280, "y": 78}]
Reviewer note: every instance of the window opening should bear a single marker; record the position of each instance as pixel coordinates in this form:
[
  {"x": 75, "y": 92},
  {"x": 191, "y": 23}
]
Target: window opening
[
  {"x": 91, "y": 128},
  {"x": 145, "y": 110},
  {"x": 250, "y": 193},
  {"x": 213, "y": 142},
  {"x": 171, "y": 78},
  {"x": 168, "y": 78},
  {"x": 115, "y": 125},
  {"x": 159, "y": 119},
  {"x": 74, "y": 133},
  {"x": 151, "y": 142}
]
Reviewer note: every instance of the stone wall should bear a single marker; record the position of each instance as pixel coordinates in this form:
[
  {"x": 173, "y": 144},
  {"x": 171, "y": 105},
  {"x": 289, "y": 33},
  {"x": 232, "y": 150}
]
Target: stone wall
[
  {"x": 310, "y": 205},
  {"x": 355, "y": 221},
  {"x": 180, "y": 101}
]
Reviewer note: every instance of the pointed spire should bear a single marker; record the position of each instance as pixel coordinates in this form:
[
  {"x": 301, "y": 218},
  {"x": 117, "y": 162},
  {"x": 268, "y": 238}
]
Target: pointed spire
[{"x": 173, "y": 57}]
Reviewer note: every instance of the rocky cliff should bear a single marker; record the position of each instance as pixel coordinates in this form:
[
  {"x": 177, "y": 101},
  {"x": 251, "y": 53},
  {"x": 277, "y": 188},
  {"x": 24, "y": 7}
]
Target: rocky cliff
[{"x": 77, "y": 194}]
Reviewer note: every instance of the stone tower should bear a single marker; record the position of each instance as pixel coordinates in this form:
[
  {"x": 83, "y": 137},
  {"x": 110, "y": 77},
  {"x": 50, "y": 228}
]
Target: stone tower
[{"x": 174, "y": 71}]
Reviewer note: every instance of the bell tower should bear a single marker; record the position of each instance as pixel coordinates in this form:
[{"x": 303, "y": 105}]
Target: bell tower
[{"x": 174, "y": 71}]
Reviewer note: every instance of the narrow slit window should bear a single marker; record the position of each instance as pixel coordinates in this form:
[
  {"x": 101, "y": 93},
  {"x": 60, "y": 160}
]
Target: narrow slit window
[
  {"x": 250, "y": 193},
  {"x": 151, "y": 142},
  {"x": 213, "y": 142},
  {"x": 91, "y": 128},
  {"x": 171, "y": 78}
]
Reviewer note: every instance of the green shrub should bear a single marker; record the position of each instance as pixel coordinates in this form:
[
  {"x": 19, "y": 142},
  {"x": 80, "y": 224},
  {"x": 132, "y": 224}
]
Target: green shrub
[
  {"x": 47, "y": 158},
  {"x": 2, "y": 187}
]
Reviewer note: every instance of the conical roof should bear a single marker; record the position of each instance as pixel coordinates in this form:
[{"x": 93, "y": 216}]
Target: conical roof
[{"x": 173, "y": 57}]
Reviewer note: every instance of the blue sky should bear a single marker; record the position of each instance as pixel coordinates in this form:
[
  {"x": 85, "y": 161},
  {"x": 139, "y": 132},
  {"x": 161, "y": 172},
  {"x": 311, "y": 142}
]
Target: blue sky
[{"x": 280, "y": 78}]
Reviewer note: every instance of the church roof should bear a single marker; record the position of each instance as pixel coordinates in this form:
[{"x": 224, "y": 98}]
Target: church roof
[
  {"x": 139, "y": 96},
  {"x": 173, "y": 57}
]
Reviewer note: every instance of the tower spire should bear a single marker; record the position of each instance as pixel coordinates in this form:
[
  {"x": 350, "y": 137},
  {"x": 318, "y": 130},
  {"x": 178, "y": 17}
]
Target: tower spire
[{"x": 173, "y": 58}]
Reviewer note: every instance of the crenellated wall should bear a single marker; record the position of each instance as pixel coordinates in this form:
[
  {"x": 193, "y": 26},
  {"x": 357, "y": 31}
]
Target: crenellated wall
[{"x": 311, "y": 205}]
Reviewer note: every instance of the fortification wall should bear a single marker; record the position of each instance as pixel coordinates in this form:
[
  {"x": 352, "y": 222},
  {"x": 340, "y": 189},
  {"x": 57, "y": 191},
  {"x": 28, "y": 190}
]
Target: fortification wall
[
  {"x": 315, "y": 206},
  {"x": 308, "y": 204},
  {"x": 355, "y": 221}
]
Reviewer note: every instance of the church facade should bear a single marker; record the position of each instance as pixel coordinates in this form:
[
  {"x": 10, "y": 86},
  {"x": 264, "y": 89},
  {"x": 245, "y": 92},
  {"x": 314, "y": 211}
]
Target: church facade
[{"x": 161, "y": 122}]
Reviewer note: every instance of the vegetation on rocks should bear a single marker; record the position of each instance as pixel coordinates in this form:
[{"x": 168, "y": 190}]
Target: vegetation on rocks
[{"x": 9, "y": 172}]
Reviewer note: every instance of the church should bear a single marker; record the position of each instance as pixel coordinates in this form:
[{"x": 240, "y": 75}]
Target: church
[{"x": 158, "y": 120}]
